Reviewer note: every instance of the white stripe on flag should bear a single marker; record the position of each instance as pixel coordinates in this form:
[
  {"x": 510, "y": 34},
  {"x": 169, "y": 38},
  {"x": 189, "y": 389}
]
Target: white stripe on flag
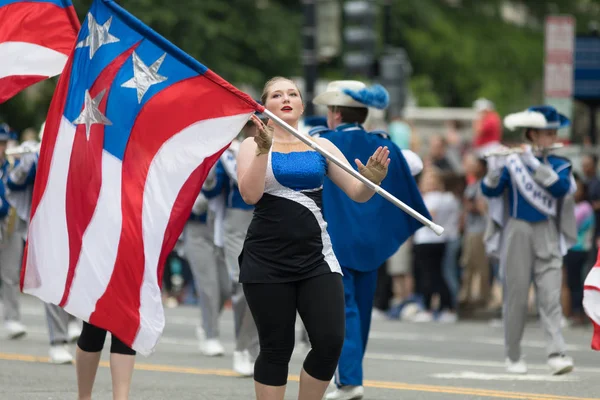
[
  {"x": 99, "y": 244},
  {"x": 168, "y": 172},
  {"x": 22, "y": 58},
  {"x": 591, "y": 298},
  {"x": 48, "y": 250}
]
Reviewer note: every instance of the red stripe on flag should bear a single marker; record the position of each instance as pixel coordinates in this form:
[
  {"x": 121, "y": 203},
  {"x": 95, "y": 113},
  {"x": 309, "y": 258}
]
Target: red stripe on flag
[
  {"x": 44, "y": 24},
  {"x": 185, "y": 103},
  {"x": 85, "y": 171},
  {"x": 11, "y": 85},
  {"x": 590, "y": 287},
  {"x": 596, "y": 337},
  {"x": 183, "y": 207},
  {"x": 55, "y": 114}
]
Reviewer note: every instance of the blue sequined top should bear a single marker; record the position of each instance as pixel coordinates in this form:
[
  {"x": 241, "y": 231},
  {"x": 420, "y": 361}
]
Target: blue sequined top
[
  {"x": 299, "y": 170},
  {"x": 287, "y": 239}
]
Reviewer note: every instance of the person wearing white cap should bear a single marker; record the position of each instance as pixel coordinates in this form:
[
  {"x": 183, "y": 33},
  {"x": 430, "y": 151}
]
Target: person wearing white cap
[
  {"x": 62, "y": 327},
  {"x": 532, "y": 226},
  {"x": 10, "y": 250},
  {"x": 363, "y": 235}
]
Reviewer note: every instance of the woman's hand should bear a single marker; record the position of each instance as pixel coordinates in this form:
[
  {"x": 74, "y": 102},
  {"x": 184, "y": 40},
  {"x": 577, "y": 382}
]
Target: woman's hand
[
  {"x": 377, "y": 166},
  {"x": 264, "y": 137}
]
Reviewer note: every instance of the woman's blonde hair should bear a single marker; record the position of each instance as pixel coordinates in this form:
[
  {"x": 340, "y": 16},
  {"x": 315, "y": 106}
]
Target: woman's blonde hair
[{"x": 270, "y": 82}]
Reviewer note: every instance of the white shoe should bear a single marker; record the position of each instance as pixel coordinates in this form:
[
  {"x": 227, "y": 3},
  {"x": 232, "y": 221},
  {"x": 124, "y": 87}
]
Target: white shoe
[
  {"x": 423, "y": 316},
  {"x": 560, "y": 364},
  {"x": 74, "y": 331},
  {"x": 242, "y": 363},
  {"x": 519, "y": 367},
  {"x": 211, "y": 348},
  {"x": 15, "y": 329},
  {"x": 346, "y": 393},
  {"x": 447, "y": 317},
  {"x": 59, "y": 354}
]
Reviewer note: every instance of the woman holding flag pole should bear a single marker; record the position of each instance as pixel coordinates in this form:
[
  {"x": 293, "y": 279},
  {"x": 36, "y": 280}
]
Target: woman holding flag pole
[{"x": 287, "y": 263}]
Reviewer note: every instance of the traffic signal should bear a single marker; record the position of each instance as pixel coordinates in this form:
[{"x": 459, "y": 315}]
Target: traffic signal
[
  {"x": 394, "y": 73},
  {"x": 360, "y": 37}
]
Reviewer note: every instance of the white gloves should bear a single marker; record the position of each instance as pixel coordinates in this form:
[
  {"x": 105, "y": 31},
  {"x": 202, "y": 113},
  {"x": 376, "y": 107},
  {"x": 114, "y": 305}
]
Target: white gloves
[
  {"x": 495, "y": 164},
  {"x": 529, "y": 158},
  {"x": 200, "y": 205}
]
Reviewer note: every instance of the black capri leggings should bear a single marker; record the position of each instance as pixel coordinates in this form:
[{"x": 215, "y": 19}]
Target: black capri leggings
[
  {"x": 92, "y": 340},
  {"x": 320, "y": 303}
]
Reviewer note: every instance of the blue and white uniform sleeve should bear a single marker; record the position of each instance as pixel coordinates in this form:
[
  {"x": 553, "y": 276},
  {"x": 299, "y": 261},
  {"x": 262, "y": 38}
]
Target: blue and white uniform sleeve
[
  {"x": 558, "y": 182},
  {"x": 4, "y": 204},
  {"x": 556, "y": 176},
  {"x": 217, "y": 184},
  {"x": 494, "y": 183},
  {"x": 23, "y": 174}
]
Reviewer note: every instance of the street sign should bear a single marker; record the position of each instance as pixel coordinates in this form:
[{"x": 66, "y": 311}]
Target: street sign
[
  {"x": 587, "y": 68},
  {"x": 558, "y": 66}
]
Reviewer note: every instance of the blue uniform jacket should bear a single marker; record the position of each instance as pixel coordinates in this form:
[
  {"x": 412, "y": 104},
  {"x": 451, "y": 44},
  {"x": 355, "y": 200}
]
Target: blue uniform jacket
[
  {"x": 365, "y": 235},
  {"x": 223, "y": 182},
  {"x": 518, "y": 206},
  {"x": 4, "y": 206}
]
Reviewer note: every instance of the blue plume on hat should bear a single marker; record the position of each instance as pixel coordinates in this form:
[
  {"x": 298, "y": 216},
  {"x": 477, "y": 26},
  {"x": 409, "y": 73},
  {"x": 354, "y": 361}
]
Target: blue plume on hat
[
  {"x": 553, "y": 118},
  {"x": 375, "y": 96},
  {"x": 315, "y": 120},
  {"x": 537, "y": 117}
]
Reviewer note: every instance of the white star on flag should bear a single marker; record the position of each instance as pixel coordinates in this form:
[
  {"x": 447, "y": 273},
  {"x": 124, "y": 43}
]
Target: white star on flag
[
  {"x": 91, "y": 114},
  {"x": 98, "y": 35},
  {"x": 144, "y": 76}
]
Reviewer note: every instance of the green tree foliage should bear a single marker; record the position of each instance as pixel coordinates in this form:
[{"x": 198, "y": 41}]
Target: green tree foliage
[
  {"x": 463, "y": 55},
  {"x": 462, "y": 50},
  {"x": 242, "y": 41},
  {"x": 459, "y": 49}
]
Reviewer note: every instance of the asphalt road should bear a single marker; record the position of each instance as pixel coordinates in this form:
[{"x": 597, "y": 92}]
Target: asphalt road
[{"x": 404, "y": 361}]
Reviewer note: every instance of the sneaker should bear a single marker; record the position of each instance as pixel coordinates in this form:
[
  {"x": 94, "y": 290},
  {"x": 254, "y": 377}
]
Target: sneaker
[
  {"x": 560, "y": 364},
  {"x": 346, "y": 393},
  {"x": 447, "y": 317},
  {"x": 519, "y": 367},
  {"x": 242, "y": 363},
  {"x": 74, "y": 331},
  {"x": 423, "y": 316},
  {"x": 211, "y": 348},
  {"x": 59, "y": 354},
  {"x": 15, "y": 329}
]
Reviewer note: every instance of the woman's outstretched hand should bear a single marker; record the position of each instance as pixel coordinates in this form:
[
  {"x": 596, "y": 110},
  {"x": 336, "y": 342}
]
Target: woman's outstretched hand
[{"x": 377, "y": 166}]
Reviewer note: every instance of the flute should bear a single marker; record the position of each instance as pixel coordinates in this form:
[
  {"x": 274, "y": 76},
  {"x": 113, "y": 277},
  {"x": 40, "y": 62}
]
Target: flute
[
  {"x": 21, "y": 150},
  {"x": 519, "y": 150}
]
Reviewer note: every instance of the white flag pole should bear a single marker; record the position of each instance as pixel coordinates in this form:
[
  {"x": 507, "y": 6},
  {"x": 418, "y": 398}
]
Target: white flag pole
[{"x": 377, "y": 189}]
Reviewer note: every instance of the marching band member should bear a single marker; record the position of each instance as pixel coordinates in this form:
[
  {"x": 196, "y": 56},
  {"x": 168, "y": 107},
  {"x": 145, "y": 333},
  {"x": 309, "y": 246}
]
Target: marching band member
[
  {"x": 62, "y": 327},
  {"x": 211, "y": 280},
  {"x": 238, "y": 216},
  {"x": 11, "y": 248},
  {"x": 287, "y": 264},
  {"x": 365, "y": 235},
  {"x": 532, "y": 226}
]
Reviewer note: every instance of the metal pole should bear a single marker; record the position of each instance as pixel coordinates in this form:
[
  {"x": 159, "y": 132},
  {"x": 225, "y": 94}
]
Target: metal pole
[
  {"x": 387, "y": 24},
  {"x": 309, "y": 53},
  {"x": 593, "y": 109},
  {"x": 377, "y": 189}
]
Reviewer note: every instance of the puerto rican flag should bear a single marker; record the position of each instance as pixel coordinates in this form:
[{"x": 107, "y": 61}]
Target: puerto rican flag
[
  {"x": 134, "y": 127},
  {"x": 591, "y": 301},
  {"x": 36, "y": 38}
]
